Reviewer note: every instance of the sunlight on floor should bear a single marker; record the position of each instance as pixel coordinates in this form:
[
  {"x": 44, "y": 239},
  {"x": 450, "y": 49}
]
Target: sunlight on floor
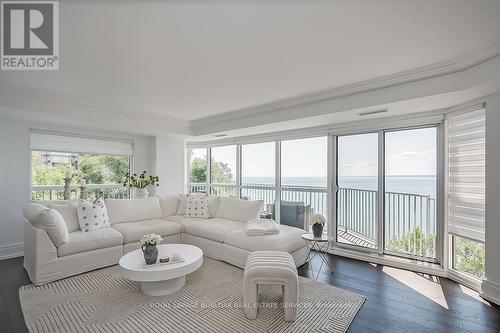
[{"x": 425, "y": 284}]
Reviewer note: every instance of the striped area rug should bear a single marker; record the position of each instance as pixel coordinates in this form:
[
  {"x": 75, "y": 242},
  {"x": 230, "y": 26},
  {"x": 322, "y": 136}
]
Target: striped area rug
[{"x": 103, "y": 301}]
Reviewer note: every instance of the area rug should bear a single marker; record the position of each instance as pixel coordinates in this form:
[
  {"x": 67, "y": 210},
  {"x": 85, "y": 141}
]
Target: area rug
[{"x": 211, "y": 301}]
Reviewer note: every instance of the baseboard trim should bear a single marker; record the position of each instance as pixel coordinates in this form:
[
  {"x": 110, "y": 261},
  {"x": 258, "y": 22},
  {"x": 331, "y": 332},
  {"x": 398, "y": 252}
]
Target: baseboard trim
[
  {"x": 11, "y": 251},
  {"x": 490, "y": 291}
]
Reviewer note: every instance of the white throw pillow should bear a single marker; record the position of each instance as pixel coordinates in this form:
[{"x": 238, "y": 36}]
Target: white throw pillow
[
  {"x": 53, "y": 223},
  {"x": 169, "y": 204},
  {"x": 197, "y": 205},
  {"x": 213, "y": 204},
  {"x": 92, "y": 216},
  {"x": 69, "y": 212},
  {"x": 239, "y": 210},
  {"x": 181, "y": 207}
]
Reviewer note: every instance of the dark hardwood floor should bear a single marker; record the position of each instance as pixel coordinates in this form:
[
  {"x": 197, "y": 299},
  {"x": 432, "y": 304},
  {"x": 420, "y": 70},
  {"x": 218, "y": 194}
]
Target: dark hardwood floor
[{"x": 396, "y": 300}]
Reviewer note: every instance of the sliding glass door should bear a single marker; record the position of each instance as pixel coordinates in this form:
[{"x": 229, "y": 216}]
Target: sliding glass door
[
  {"x": 410, "y": 193},
  {"x": 387, "y": 192},
  {"x": 357, "y": 194}
]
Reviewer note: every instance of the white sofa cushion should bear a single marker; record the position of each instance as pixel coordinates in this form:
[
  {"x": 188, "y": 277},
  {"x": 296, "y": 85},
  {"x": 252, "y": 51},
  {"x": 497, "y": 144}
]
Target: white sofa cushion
[
  {"x": 168, "y": 204},
  {"x": 181, "y": 207},
  {"x": 80, "y": 241},
  {"x": 128, "y": 210},
  {"x": 289, "y": 239},
  {"x": 92, "y": 216},
  {"x": 69, "y": 212},
  {"x": 238, "y": 210},
  {"x": 133, "y": 231},
  {"x": 197, "y": 205},
  {"x": 49, "y": 220},
  {"x": 182, "y": 220},
  {"x": 214, "y": 229},
  {"x": 213, "y": 204}
]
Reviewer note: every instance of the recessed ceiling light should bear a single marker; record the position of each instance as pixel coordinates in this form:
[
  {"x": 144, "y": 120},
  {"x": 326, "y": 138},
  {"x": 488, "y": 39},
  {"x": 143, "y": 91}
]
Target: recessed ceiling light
[{"x": 371, "y": 112}]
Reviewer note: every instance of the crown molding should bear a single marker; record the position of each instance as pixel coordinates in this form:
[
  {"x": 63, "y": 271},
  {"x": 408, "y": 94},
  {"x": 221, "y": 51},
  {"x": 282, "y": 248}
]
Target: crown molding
[{"x": 463, "y": 62}]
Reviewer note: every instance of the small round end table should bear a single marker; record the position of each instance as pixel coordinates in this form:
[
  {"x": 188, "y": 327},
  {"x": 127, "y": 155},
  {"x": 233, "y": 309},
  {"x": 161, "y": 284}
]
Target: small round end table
[{"x": 320, "y": 245}]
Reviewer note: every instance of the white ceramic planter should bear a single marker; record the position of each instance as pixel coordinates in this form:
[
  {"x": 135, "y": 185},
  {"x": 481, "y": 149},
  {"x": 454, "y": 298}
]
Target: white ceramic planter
[{"x": 141, "y": 193}]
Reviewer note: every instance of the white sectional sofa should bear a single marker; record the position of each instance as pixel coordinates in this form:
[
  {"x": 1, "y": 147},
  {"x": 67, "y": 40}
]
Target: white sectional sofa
[{"x": 221, "y": 237}]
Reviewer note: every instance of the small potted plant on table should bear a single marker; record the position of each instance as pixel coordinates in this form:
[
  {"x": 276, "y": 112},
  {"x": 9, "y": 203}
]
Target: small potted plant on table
[
  {"x": 140, "y": 183},
  {"x": 318, "y": 222},
  {"x": 149, "y": 247}
]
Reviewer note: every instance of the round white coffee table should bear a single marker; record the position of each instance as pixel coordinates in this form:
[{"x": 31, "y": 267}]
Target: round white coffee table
[{"x": 162, "y": 279}]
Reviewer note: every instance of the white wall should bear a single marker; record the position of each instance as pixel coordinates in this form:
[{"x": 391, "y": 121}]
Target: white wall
[
  {"x": 170, "y": 165},
  {"x": 491, "y": 284},
  {"x": 15, "y": 174}
]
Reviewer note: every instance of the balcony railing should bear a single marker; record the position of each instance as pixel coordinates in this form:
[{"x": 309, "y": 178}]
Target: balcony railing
[
  {"x": 410, "y": 223},
  {"x": 94, "y": 191}
]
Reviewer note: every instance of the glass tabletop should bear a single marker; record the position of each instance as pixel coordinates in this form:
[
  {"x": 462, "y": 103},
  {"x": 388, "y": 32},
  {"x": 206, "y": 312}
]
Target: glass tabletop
[{"x": 310, "y": 237}]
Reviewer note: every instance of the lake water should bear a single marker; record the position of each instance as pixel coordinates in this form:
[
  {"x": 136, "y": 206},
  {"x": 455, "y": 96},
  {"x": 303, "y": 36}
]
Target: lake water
[{"x": 424, "y": 185}]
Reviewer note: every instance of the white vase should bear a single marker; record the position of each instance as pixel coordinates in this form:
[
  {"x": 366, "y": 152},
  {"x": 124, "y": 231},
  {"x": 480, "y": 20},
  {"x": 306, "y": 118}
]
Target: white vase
[{"x": 141, "y": 193}]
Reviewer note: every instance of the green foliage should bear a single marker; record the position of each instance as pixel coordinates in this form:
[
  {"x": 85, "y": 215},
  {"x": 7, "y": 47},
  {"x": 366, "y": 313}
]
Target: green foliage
[
  {"x": 221, "y": 172},
  {"x": 49, "y": 175},
  {"x": 410, "y": 243},
  {"x": 141, "y": 181},
  {"x": 103, "y": 169},
  {"x": 199, "y": 170},
  {"x": 95, "y": 169},
  {"x": 469, "y": 257}
]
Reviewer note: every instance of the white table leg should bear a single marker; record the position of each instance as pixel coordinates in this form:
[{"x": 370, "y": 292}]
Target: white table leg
[{"x": 162, "y": 288}]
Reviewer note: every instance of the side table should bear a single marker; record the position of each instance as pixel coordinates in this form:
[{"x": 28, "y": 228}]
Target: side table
[{"x": 321, "y": 245}]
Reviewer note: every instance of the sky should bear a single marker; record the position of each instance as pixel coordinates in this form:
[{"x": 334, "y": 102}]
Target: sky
[{"x": 409, "y": 152}]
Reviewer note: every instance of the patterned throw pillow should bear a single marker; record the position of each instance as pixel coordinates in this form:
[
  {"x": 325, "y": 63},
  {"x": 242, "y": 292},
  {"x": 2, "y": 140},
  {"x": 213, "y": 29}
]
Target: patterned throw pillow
[
  {"x": 197, "y": 205},
  {"x": 92, "y": 216}
]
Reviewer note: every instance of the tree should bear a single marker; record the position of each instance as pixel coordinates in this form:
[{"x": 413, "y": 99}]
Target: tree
[
  {"x": 49, "y": 175},
  {"x": 469, "y": 257},
  {"x": 221, "y": 172},
  {"x": 103, "y": 169},
  {"x": 199, "y": 170},
  {"x": 412, "y": 243}
]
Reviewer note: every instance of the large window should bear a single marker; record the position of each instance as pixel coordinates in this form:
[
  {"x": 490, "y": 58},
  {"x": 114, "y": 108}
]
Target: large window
[
  {"x": 258, "y": 173},
  {"x": 303, "y": 176},
  {"x": 223, "y": 171},
  {"x": 103, "y": 174},
  {"x": 102, "y": 164},
  {"x": 398, "y": 218},
  {"x": 303, "y": 162},
  {"x": 357, "y": 195},
  {"x": 303, "y": 181},
  {"x": 197, "y": 158},
  {"x": 410, "y": 192}
]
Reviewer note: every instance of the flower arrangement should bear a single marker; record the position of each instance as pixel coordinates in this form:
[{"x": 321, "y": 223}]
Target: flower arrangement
[
  {"x": 151, "y": 239},
  {"x": 141, "y": 181},
  {"x": 318, "y": 222},
  {"x": 318, "y": 219}
]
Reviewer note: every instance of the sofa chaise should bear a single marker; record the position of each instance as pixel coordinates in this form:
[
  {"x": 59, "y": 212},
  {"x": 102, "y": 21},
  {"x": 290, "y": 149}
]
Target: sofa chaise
[{"x": 221, "y": 237}]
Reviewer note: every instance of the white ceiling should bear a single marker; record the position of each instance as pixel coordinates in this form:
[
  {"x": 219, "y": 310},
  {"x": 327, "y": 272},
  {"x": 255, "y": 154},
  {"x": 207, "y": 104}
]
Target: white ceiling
[{"x": 191, "y": 60}]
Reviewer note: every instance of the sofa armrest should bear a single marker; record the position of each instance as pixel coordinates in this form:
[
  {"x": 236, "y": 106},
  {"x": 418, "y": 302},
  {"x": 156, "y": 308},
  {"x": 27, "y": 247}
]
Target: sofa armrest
[{"x": 39, "y": 250}]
